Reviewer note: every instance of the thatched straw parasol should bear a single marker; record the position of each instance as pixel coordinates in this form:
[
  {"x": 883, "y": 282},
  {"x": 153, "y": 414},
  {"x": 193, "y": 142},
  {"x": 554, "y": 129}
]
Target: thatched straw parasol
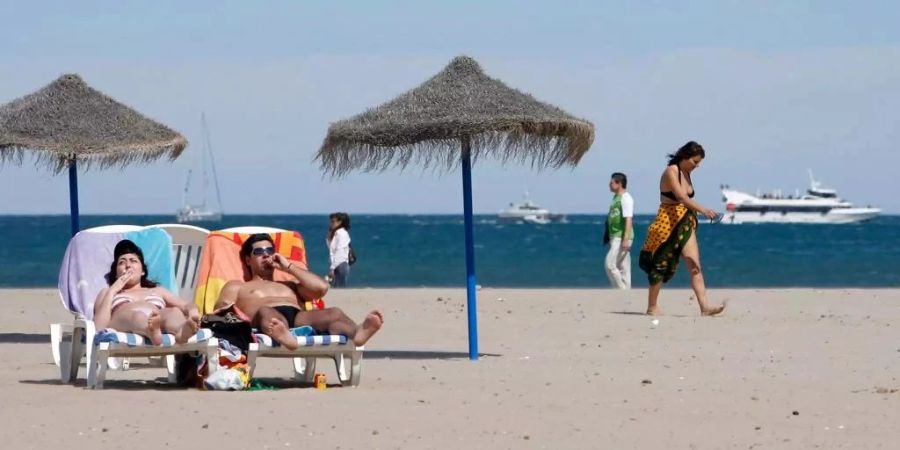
[
  {"x": 427, "y": 124},
  {"x": 457, "y": 115},
  {"x": 67, "y": 121}
]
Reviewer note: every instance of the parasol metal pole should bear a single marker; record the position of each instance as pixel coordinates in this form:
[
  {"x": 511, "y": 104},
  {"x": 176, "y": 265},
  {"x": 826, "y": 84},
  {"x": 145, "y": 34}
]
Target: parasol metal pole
[
  {"x": 471, "y": 305},
  {"x": 73, "y": 195}
]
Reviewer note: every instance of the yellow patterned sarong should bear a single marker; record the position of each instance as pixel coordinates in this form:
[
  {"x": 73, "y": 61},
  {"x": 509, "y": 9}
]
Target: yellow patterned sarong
[{"x": 673, "y": 226}]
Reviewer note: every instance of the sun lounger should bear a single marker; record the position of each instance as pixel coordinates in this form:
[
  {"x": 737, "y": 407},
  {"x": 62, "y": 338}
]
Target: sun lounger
[
  {"x": 81, "y": 278},
  {"x": 221, "y": 263}
]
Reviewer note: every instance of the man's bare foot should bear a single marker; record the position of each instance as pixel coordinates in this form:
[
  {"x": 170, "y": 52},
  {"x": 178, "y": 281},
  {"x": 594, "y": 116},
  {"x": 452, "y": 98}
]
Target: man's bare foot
[
  {"x": 187, "y": 331},
  {"x": 653, "y": 311},
  {"x": 154, "y": 328},
  {"x": 713, "y": 311},
  {"x": 370, "y": 326},
  {"x": 281, "y": 334}
]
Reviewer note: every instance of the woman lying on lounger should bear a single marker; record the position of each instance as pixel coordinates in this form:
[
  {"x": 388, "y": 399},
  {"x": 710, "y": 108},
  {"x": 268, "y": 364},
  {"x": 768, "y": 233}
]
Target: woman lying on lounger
[{"x": 134, "y": 304}]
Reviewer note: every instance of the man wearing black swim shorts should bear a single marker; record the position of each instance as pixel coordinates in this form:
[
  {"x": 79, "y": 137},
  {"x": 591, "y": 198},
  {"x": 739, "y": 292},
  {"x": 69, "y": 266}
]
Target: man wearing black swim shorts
[{"x": 275, "y": 306}]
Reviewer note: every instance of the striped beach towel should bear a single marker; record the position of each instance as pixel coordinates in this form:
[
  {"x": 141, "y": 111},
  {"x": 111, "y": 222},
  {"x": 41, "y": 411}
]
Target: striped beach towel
[
  {"x": 305, "y": 337},
  {"x": 136, "y": 340}
]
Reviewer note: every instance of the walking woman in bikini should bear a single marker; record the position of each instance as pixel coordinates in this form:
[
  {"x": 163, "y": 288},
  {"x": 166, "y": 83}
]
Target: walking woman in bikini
[{"x": 673, "y": 233}]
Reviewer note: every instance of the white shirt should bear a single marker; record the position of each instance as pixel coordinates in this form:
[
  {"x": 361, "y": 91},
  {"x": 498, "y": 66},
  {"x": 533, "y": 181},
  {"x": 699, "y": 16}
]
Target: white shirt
[
  {"x": 627, "y": 205},
  {"x": 339, "y": 248}
]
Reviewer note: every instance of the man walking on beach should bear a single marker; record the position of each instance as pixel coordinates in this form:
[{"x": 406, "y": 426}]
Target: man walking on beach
[
  {"x": 619, "y": 233},
  {"x": 274, "y": 306}
]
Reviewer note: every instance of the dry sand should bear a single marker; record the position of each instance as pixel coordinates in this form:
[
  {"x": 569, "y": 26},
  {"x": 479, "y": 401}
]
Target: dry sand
[{"x": 560, "y": 369}]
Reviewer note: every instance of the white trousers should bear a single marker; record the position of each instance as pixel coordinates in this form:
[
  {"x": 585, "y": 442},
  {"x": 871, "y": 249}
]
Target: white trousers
[{"x": 618, "y": 265}]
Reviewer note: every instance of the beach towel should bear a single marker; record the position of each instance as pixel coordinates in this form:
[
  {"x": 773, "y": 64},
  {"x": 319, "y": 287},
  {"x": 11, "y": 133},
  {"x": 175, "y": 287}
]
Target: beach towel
[
  {"x": 221, "y": 263},
  {"x": 89, "y": 256},
  {"x": 670, "y": 230}
]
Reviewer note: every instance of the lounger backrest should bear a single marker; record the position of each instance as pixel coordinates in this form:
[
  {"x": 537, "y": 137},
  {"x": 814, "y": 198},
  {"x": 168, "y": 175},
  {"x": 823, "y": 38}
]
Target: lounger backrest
[
  {"x": 187, "y": 246},
  {"x": 88, "y": 257},
  {"x": 221, "y": 262}
]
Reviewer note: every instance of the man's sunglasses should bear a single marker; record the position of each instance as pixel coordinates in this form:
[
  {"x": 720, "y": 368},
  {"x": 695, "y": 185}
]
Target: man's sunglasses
[{"x": 259, "y": 251}]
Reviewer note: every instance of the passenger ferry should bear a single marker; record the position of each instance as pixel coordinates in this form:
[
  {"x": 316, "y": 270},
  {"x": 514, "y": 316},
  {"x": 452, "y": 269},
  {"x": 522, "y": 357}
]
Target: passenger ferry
[{"x": 818, "y": 205}]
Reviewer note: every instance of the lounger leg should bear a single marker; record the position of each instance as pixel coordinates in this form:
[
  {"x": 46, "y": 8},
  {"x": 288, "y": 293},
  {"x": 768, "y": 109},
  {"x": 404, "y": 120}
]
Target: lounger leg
[
  {"x": 58, "y": 332},
  {"x": 304, "y": 369},
  {"x": 97, "y": 365},
  {"x": 252, "y": 353},
  {"x": 212, "y": 355},
  {"x": 355, "y": 368},
  {"x": 117, "y": 363},
  {"x": 76, "y": 352},
  {"x": 340, "y": 365},
  {"x": 65, "y": 359},
  {"x": 170, "y": 367},
  {"x": 55, "y": 341}
]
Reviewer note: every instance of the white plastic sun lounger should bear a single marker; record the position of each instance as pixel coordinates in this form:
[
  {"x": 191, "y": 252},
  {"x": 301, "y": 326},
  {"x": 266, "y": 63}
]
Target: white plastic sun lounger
[
  {"x": 347, "y": 356},
  {"x": 71, "y": 343}
]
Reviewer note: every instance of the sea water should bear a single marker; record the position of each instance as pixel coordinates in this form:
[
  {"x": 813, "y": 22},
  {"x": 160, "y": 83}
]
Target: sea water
[{"x": 428, "y": 250}]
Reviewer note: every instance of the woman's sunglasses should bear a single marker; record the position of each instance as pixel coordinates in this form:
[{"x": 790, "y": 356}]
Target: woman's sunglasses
[{"x": 259, "y": 251}]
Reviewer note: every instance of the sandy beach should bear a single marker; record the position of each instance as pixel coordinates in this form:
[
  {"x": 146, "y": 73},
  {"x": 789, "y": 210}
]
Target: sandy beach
[{"x": 797, "y": 368}]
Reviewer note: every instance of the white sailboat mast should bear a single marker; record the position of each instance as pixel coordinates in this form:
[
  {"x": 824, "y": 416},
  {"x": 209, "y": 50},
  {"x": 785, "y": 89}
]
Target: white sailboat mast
[{"x": 212, "y": 163}]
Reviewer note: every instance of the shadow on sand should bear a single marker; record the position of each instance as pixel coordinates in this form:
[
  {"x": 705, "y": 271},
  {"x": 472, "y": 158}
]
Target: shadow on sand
[
  {"x": 421, "y": 354},
  {"x": 24, "y": 338}
]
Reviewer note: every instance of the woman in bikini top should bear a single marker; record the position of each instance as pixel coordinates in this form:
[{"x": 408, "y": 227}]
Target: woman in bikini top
[
  {"x": 134, "y": 304},
  {"x": 671, "y": 194},
  {"x": 672, "y": 235},
  {"x": 151, "y": 298}
]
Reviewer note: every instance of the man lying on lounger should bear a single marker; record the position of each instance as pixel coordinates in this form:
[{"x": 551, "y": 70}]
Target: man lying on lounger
[{"x": 274, "y": 306}]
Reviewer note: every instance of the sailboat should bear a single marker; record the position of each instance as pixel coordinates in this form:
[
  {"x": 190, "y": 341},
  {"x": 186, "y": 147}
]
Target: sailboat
[{"x": 201, "y": 212}]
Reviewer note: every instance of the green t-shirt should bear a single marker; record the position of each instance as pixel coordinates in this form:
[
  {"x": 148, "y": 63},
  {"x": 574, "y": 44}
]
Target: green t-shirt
[{"x": 622, "y": 206}]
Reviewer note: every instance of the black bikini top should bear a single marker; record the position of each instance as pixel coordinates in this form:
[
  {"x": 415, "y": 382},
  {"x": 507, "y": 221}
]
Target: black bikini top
[{"x": 671, "y": 194}]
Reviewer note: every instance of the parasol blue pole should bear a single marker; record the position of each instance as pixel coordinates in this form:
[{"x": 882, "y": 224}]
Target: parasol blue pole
[
  {"x": 471, "y": 306},
  {"x": 73, "y": 196}
]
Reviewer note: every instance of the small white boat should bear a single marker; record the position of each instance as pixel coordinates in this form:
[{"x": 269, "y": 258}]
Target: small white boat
[
  {"x": 201, "y": 212},
  {"x": 537, "y": 220},
  {"x": 818, "y": 205},
  {"x": 527, "y": 211}
]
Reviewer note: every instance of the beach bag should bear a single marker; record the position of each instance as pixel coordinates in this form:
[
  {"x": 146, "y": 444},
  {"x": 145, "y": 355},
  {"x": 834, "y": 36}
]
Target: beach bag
[
  {"x": 351, "y": 257},
  {"x": 232, "y": 325}
]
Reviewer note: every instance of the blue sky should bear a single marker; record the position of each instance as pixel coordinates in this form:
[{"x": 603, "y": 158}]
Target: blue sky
[{"x": 770, "y": 88}]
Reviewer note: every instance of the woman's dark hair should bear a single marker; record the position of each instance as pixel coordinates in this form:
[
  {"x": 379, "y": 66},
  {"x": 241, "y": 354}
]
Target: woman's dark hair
[
  {"x": 687, "y": 151},
  {"x": 342, "y": 217},
  {"x": 126, "y": 247}
]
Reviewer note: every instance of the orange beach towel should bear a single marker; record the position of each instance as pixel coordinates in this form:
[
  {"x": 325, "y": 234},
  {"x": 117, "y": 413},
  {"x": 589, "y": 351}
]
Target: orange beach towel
[{"x": 221, "y": 263}]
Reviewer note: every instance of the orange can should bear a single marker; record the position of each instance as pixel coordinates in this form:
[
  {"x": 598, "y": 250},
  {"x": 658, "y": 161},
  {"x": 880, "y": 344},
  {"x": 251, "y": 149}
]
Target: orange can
[{"x": 320, "y": 381}]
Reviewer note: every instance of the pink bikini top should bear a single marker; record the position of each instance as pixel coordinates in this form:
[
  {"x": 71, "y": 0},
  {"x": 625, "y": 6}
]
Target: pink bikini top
[{"x": 152, "y": 299}]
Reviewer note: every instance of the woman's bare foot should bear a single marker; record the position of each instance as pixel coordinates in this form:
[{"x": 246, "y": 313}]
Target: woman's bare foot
[
  {"x": 281, "y": 334},
  {"x": 653, "y": 311},
  {"x": 187, "y": 331},
  {"x": 713, "y": 311},
  {"x": 154, "y": 328},
  {"x": 370, "y": 326}
]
